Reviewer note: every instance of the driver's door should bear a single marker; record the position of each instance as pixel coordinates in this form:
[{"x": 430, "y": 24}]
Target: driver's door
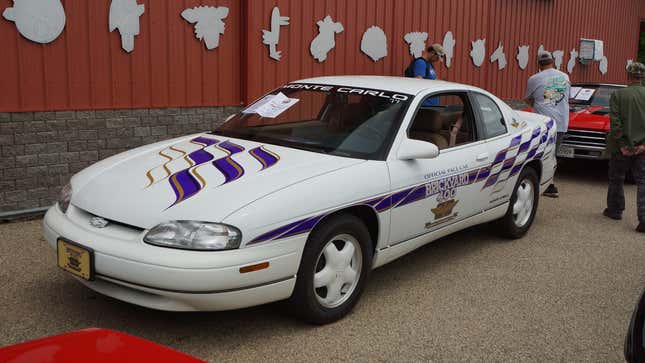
[{"x": 430, "y": 194}]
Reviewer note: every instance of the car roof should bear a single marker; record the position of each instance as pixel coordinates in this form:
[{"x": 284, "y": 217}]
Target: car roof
[{"x": 393, "y": 84}]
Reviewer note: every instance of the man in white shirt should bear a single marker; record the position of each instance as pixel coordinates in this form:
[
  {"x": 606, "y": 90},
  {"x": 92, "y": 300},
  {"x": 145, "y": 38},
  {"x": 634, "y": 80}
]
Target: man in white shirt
[{"x": 548, "y": 93}]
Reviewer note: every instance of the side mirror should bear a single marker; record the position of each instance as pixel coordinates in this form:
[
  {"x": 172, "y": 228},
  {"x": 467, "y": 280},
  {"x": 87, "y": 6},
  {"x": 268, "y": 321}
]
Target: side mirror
[{"x": 415, "y": 149}]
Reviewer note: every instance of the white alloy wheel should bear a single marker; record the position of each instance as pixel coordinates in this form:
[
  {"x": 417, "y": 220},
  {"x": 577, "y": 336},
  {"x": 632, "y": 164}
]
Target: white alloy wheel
[
  {"x": 337, "y": 270},
  {"x": 523, "y": 207}
]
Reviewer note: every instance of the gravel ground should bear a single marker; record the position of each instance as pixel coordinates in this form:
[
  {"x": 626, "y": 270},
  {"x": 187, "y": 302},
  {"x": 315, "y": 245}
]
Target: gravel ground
[{"x": 564, "y": 292}]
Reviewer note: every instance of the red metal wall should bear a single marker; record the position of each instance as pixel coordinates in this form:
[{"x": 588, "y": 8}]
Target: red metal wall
[
  {"x": 85, "y": 68},
  {"x": 558, "y": 24}
]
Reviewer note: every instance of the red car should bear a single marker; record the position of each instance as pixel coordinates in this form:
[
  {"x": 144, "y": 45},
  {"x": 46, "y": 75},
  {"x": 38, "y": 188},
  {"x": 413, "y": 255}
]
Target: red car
[
  {"x": 588, "y": 121},
  {"x": 92, "y": 345}
]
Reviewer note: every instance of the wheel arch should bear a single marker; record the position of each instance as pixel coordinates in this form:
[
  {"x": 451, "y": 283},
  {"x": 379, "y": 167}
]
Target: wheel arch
[
  {"x": 363, "y": 212},
  {"x": 537, "y": 166}
]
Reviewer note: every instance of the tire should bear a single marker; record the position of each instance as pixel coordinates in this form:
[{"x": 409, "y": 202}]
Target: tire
[
  {"x": 519, "y": 216},
  {"x": 321, "y": 305}
]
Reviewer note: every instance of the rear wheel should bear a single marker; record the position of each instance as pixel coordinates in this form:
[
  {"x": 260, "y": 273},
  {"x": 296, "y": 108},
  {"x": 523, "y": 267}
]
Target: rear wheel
[
  {"x": 523, "y": 205},
  {"x": 333, "y": 270}
]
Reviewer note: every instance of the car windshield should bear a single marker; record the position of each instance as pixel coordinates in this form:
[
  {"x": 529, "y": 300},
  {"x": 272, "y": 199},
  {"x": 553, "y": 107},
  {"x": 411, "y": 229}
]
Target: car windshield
[
  {"x": 338, "y": 120},
  {"x": 600, "y": 94}
]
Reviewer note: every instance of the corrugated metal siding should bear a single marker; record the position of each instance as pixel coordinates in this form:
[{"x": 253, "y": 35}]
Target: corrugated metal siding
[
  {"x": 557, "y": 24},
  {"x": 85, "y": 68}
]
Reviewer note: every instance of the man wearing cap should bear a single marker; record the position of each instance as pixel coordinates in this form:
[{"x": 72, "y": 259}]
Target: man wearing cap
[
  {"x": 626, "y": 143},
  {"x": 424, "y": 68},
  {"x": 548, "y": 93}
]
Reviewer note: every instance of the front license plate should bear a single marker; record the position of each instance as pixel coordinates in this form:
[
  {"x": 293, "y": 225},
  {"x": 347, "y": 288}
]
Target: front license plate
[
  {"x": 566, "y": 152},
  {"x": 75, "y": 259}
]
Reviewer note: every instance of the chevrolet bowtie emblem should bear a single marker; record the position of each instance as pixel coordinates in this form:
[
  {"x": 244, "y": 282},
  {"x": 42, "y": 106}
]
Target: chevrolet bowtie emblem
[{"x": 98, "y": 222}]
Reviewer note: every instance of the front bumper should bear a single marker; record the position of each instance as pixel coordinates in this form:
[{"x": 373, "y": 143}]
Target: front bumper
[
  {"x": 161, "y": 278},
  {"x": 584, "y": 144}
]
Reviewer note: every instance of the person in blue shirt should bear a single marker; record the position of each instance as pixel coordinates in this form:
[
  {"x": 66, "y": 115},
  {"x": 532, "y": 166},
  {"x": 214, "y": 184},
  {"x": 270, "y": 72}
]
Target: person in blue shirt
[{"x": 424, "y": 68}]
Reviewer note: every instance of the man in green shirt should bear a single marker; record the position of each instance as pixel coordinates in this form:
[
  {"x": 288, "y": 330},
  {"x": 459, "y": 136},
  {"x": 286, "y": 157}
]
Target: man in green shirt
[{"x": 626, "y": 143}]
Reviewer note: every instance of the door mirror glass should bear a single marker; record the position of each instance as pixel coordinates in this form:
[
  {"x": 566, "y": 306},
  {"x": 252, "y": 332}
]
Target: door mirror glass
[{"x": 415, "y": 149}]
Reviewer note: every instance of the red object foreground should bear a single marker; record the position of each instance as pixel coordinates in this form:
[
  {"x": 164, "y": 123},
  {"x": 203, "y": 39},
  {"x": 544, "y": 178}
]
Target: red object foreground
[{"x": 92, "y": 345}]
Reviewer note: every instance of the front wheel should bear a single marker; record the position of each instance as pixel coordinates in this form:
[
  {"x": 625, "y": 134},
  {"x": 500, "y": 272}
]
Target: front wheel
[
  {"x": 333, "y": 270},
  {"x": 523, "y": 205}
]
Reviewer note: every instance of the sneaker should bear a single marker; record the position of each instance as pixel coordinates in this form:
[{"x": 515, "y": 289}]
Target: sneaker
[
  {"x": 551, "y": 191},
  {"x": 641, "y": 227},
  {"x": 612, "y": 215}
]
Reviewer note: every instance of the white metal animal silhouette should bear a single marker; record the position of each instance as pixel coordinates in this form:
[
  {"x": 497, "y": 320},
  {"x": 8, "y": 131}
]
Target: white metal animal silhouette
[
  {"x": 499, "y": 57},
  {"x": 449, "y": 43},
  {"x": 602, "y": 67},
  {"x": 124, "y": 15},
  {"x": 629, "y": 62},
  {"x": 374, "y": 43},
  {"x": 478, "y": 52},
  {"x": 523, "y": 56},
  {"x": 558, "y": 57},
  {"x": 272, "y": 37},
  {"x": 209, "y": 23},
  {"x": 40, "y": 21},
  {"x": 417, "y": 42},
  {"x": 573, "y": 57},
  {"x": 325, "y": 40}
]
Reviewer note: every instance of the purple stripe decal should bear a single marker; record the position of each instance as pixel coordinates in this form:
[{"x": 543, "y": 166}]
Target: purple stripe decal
[
  {"x": 205, "y": 141},
  {"x": 276, "y": 232},
  {"x": 483, "y": 173},
  {"x": 372, "y": 202},
  {"x": 532, "y": 153},
  {"x": 265, "y": 157},
  {"x": 418, "y": 194},
  {"x": 500, "y": 157},
  {"x": 516, "y": 169},
  {"x": 507, "y": 164},
  {"x": 536, "y": 132},
  {"x": 184, "y": 185},
  {"x": 304, "y": 227},
  {"x": 525, "y": 146},
  {"x": 398, "y": 196},
  {"x": 516, "y": 140},
  {"x": 226, "y": 165},
  {"x": 384, "y": 205},
  {"x": 200, "y": 156}
]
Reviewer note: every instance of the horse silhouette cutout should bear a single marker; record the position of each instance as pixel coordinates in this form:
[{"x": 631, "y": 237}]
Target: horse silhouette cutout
[
  {"x": 499, "y": 57},
  {"x": 124, "y": 16},
  {"x": 523, "y": 56},
  {"x": 478, "y": 52}
]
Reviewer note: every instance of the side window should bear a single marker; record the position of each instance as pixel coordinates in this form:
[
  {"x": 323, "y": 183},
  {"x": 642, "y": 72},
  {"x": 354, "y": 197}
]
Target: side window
[
  {"x": 491, "y": 116},
  {"x": 445, "y": 120}
]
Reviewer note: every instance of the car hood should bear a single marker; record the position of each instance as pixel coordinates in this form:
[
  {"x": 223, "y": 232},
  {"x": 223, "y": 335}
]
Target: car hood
[
  {"x": 595, "y": 118},
  {"x": 201, "y": 177}
]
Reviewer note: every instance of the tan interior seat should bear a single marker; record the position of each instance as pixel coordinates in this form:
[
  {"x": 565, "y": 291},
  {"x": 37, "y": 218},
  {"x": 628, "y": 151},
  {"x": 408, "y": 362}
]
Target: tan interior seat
[{"x": 427, "y": 126}]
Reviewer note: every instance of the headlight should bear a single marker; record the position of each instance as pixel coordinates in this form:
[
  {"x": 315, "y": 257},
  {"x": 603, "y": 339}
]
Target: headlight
[
  {"x": 192, "y": 235},
  {"x": 64, "y": 197}
]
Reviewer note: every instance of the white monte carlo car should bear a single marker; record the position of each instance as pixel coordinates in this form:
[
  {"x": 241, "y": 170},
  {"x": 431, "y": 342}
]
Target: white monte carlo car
[{"x": 302, "y": 194}]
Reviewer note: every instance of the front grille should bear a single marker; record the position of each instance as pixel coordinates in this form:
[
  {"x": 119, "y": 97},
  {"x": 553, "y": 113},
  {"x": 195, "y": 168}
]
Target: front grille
[{"x": 594, "y": 140}]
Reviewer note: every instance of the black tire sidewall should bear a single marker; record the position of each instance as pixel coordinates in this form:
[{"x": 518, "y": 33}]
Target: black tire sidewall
[
  {"x": 303, "y": 298},
  {"x": 509, "y": 228}
]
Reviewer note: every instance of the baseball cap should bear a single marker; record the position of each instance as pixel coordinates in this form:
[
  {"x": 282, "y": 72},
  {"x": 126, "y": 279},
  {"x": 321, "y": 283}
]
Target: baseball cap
[
  {"x": 544, "y": 56},
  {"x": 636, "y": 69},
  {"x": 437, "y": 48}
]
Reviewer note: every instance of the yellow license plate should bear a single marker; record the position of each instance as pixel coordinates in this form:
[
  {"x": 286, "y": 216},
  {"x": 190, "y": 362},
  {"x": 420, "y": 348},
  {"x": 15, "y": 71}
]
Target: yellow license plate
[{"x": 75, "y": 259}]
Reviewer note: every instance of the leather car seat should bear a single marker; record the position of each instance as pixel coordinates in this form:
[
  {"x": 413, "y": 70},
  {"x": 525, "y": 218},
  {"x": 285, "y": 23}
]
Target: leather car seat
[{"x": 427, "y": 126}]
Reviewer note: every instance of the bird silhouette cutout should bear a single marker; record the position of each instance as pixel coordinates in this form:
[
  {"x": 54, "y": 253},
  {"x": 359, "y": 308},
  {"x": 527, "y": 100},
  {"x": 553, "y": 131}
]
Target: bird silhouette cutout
[
  {"x": 124, "y": 16},
  {"x": 209, "y": 23},
  {"x": 40, "y": 21},
  {"x": 325, "y": 40},
  {"x": 272, "y": 37}
]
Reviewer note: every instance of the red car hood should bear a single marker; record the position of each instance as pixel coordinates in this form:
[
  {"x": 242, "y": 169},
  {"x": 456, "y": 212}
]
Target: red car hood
[
  {"x": 590, "y": 118},
  {"x": 92, "y": 345}
]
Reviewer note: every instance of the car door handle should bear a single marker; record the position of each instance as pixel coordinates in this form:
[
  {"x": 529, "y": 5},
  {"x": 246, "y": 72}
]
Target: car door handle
[{"x": 482, "y": 157}]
